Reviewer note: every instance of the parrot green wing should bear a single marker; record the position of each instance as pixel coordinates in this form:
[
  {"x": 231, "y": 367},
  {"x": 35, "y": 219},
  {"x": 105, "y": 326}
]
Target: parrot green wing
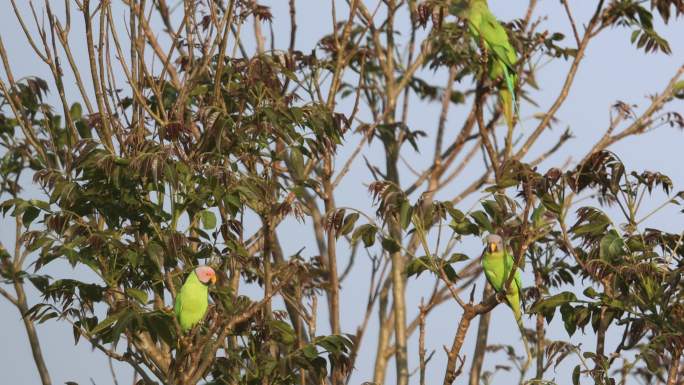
[
  {"x": 482, "y": 24},
  {"x": 517, "y": 279},
  {"x": 191, "y": 302},
  {"x": 514, "y": 295},
  {"x": 178, "y": 306},
  {"x": 496, "y": 38}
]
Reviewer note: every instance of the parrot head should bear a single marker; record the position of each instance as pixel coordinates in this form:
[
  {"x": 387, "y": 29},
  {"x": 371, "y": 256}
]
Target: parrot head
[
  {"x": 494, "y": 243},
  {"x": 205, "y": 274}
]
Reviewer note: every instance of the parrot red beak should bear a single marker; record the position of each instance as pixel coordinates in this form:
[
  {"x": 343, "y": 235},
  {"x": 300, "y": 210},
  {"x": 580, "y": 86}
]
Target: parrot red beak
[
  {"x": 492, "y": 247},
  {"x": 213, "y": 279}
]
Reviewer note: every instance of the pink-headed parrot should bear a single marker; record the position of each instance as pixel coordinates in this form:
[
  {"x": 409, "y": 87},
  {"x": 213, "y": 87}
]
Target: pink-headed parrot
[
  {"x": 497, "y": 264},
  {"x": 193, "y": 299},
  {"x": 484, "y": 27}
]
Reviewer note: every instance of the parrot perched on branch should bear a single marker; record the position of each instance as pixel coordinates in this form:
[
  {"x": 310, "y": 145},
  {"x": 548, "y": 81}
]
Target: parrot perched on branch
[
  {"x": 488, "y": 32},
  {"x": 193, "y": 299},
  {"x": 497, "y": 265}
]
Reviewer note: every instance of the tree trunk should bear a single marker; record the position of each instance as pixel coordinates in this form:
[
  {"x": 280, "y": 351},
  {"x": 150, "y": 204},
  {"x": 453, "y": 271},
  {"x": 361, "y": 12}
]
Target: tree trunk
[
  {"x": 481, "y": 344},
  {"x": 32, "y": 335},
  {"x": 451, "y": 372}
]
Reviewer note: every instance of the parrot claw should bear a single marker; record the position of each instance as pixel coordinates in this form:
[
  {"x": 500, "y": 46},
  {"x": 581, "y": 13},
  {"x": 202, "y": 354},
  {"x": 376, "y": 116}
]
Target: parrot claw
[{"x": 500, "y": 296}]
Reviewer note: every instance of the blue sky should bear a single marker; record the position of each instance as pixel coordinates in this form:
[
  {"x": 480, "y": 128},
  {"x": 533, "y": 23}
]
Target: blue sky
[{"x": 613, "y": 70}]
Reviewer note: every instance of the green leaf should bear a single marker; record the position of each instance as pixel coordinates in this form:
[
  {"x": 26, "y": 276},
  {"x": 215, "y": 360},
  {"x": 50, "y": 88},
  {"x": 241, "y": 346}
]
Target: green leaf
[
  {"x": 590, "y": 292},
  {"x": 297, "y": 162},
  {"x": 367, "y": 233},
  {"x": 155, "y": 250},
  {"x": 482, "y": 220},
  {"x": 450, "y": 273},
  {"x": 41, "y": 282},
  {"x": 679, "y": 86},
  {"x": 538, "y": 216},
  {"x": 390, "y": 244},
  {"x": 568, "y": 314},
  {"x": 208, "y": 219},
  {"x": 333, "y": 344},
  {"x": 284, "y": 332},
  {"x": 418, "y": 265},
  {"x": 550, "y": 204},
  {"x": 553, "y": 302},
  {"x": 138, "y": 294},
  {"x": 132, "y": 257},
  {"x": 310, "y": 351},
  {"x": 30, "y": 214},
  {"x": 582, "y": 316},
  {"x": 348, "y": 224},
  {"x": 457, "y": 257},
  {"x": 465, "y": 227},
  {"x": 76, "y": 111},
  {"x": 576, "y": 375},
  {"x": 47, "y": 317},
  {"x": 405, "y": 214},
  {"x": 39, "y": 204},
  {"x": 611, "y": 246},
  {"x": 678, "y": 89},
  {"x": 596, "y": 223},
  {"x": 105, "y": 324},
  {"x": 494, "y": 210},
  {"x": 456, "y": 214}
]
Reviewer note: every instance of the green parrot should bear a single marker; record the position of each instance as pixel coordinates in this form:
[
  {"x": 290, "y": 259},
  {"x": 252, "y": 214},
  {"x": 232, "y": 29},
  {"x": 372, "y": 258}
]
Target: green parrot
[
  {"x": 502, "y": 56},
  {"x": 193, "y": 299},
  {"x": 497, "y": 264}
]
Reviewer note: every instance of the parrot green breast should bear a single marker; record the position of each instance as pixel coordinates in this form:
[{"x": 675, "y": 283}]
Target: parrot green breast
[
  {"x": 497, "y": 267},
  {"x": 191, "y": 302}
]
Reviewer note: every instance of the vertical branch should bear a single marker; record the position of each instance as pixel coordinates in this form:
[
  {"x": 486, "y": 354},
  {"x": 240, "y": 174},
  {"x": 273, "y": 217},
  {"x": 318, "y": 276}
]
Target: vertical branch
[
  {"x": 392, "y": 149},
  {"x": 18, "y": 109},
  {"x": 674, "y": 367},
  {"x": 258, "y": 35},
  {"x": 453, "y": 357},
  {"x": 603, "y": 324},
  {"x": 266, "y": 256},
  {"x": 32, "y": 334},
  {"x": 331, "y": 248},
  {"x": 22, "y": 306},
  {"x": 540, "y": 329},
  {"x": 484, "y": 133},
  {"x": 385, "y": 321},
  {"x": 421, "y": 341},
  {"x": 133, "y": 31},
  {"x": 590, "y": 31},
  {"x": 293, "y": 25},
  {"x": 268, "y": 284},
  {"x": 104, "y": 132},
  {"x": 446, "y": 102},
  {"x": 222, "y": 51},
  {"x": 481, "y": 341}
]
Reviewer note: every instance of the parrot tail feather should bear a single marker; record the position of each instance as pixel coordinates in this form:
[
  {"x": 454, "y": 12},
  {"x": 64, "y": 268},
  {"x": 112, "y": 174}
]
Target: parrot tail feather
[
  {"x": 528, "y": 352},
  {"x": 509, "y": 102},
  {"x": 506, "y": 100}
]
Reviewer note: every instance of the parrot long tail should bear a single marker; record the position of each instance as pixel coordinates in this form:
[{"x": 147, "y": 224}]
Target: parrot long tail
[
  {"x": 506, "y": 100},
  {"x": 509, "y": 103},
  {"x": 528, "y": 360}
]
